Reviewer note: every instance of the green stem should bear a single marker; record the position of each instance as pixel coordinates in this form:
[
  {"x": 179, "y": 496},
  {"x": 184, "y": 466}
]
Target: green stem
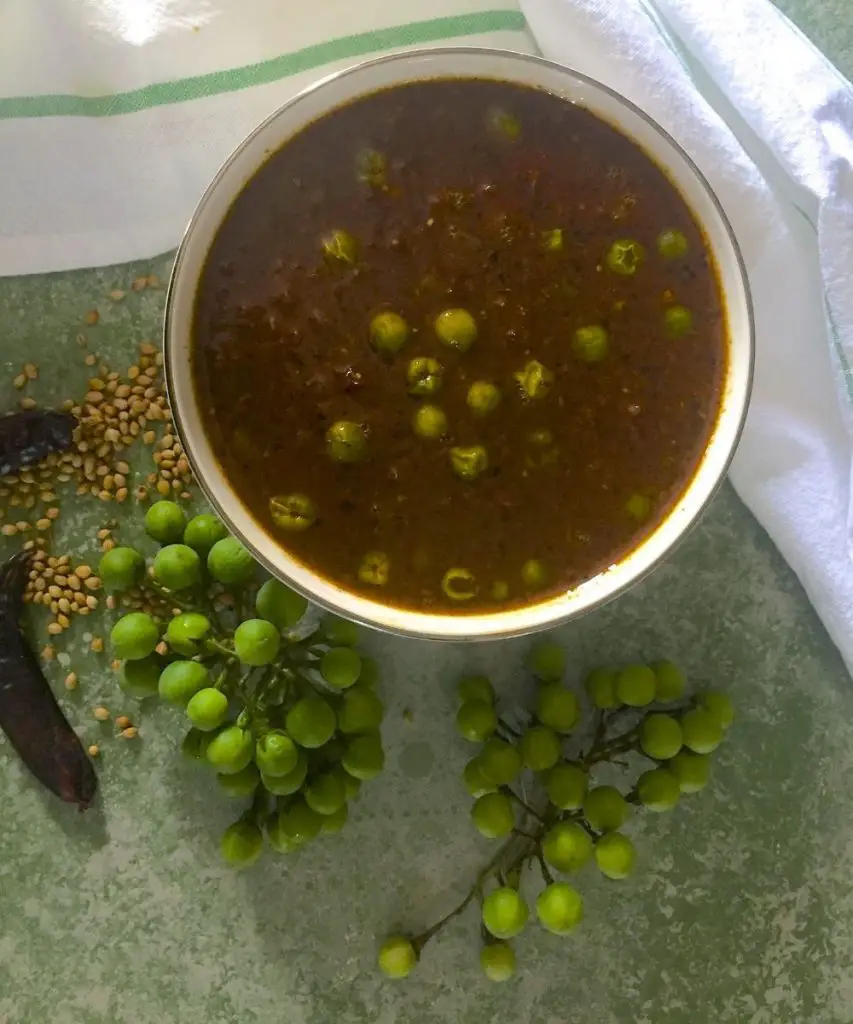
[
  {"x": 217, "y": 647},
  {"x": 476, "y": 889},
  {"x": 543, "y": 867},
  {"x": 514, "y": 796}
]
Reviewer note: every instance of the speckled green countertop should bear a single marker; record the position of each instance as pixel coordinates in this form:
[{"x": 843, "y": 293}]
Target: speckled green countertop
[{"x": 742, "y": 910}]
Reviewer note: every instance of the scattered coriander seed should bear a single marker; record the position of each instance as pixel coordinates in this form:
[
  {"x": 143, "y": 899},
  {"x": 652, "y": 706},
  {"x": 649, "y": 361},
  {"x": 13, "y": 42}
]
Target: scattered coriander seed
[
  {"x": 130, "y": 733},
  {"x": 93, "y": 750},
  {"x": 71, "y": 681},
  {"x": 123, "y": 722},
  {"x": 101, "y": 714}
]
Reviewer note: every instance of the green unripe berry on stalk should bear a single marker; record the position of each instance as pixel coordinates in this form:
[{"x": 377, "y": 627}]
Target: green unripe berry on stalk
[
  {"x": 242, "y": 843},
  {"x": 165, "y": 522},
  {"x": 186, "y": 631},
  {"x": 397, "y": 957},
  {"x": 547, "y": 662},
  {"x": 280, "y": 605},
  {"x": 207, "y": 709},
  {"x": 615, "y": 855},
  {"x": 600, "y": 686},
  {"x": 605, "y": 809},
  {"x": 476, "y": 720},
  {"x": 505, "y": 912},
  {"x": 177, "y": 567},
  {"x": 497, "y": 959},
  {"x": 473, "y": 688},
  {"x": 121, "y": 568},
  {"x": 256, "y": 642},
  {"x": 134, "y": 636}
]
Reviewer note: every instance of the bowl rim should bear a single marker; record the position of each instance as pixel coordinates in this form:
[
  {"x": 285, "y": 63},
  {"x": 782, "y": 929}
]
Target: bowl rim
[{"x": 500, "y": 621}]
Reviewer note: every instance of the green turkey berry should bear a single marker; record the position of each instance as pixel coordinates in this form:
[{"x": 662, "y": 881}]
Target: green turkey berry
[
  {"x": 557, "y": 707},
  {"x": 311, "y": 721},
  {"x": 134, "y": 636},
  {"x": 547, "y": 662},
  {"x": 702, "y": 731},
  {"x": 340, "y": 667},
  {"x": 566, "y": 785},
  {"x": 615, "y": 856},
  {"x": 476, "y": 688},
  {"x": 600, "y": 686},
  {"x": 207, "y": 709},
  {"x": 181, "y": 680},
  {"x": 397, "y": 957},
  {"x": 165, "y": 522},
  {"x": 364, "y": 757},
  {"x": 276, "y": 753},
  {"x": 278, "y": 839},
  {"x": 121, "y": 569},
  {"x": 333, "y": 823},
  {"x": 177, "y": 567},
  {"x": 326, "y": 794},
  {"x": 540, "y": 748},
  {"x": 339, "y": 632},
  {"x": 636, "y": 685},
  {"x": 505, "y": 913},
  {"x": 669, "y": 681},
  {"x": 719, "y": 704},
  {"x": 230, "y": 750},
  {"x": 691, "y": 770},
  {"x": 185, "y": 631},
  {"x": 360, "y": 711},
  {"x": 497, "y": 959},
  {"x": 230, "y": 563},
  {"x": 256, "y": 642},
  {"x": 286, "y": 785},
  {"x": 202, "y": 532},
  {"x": 139, "y": 679},
  {"x": 559, "y": 908},
  {"x": 241, "y": 844},
  {"x": 567, "y": 846},
  {"x": 300, "y": 823},
  {"x": 493, "y": 815},
  {"x": 242, "y": 784},
  {"x": 605, "y": 809},
  {"x": 660, "y": 737},
  {"x": 658, "y": 790},
  {"x": 280, "y": 605},
  {"x": 475, "y": 781},
  {"x": 500, "y": 762},
  {"x": 476, "y": 720}
]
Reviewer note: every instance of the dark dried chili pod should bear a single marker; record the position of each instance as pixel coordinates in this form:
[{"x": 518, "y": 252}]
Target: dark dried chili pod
[
  {"x": 29, "y": 713},
  {"x": 28, "y": 437}
]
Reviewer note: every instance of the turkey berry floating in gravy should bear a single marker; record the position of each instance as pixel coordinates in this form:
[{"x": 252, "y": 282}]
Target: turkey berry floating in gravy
[{"x": 459, "y": 346}]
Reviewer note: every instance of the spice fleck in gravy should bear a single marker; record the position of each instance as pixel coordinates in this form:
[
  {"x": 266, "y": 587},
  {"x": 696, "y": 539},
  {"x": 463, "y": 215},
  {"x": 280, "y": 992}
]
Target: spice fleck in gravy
[{"x": 459, "y": 345}]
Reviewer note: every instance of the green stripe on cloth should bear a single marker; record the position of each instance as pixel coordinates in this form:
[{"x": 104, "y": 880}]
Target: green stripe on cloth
[{"x": 199, "y": 86}]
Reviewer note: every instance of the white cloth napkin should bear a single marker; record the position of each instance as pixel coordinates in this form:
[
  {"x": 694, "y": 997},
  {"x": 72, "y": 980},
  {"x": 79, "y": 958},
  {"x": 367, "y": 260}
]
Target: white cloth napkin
[
  {"x": 114, "y": 114},
  {"x": 770, "y": 121}
]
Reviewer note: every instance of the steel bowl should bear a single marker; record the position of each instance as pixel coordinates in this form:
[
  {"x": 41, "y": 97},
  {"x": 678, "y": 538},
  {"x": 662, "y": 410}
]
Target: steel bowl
[{"x": 459, "y": 63}]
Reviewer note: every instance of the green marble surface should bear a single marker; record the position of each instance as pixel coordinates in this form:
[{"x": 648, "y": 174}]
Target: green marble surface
[{"x": 742, "y": 910}]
